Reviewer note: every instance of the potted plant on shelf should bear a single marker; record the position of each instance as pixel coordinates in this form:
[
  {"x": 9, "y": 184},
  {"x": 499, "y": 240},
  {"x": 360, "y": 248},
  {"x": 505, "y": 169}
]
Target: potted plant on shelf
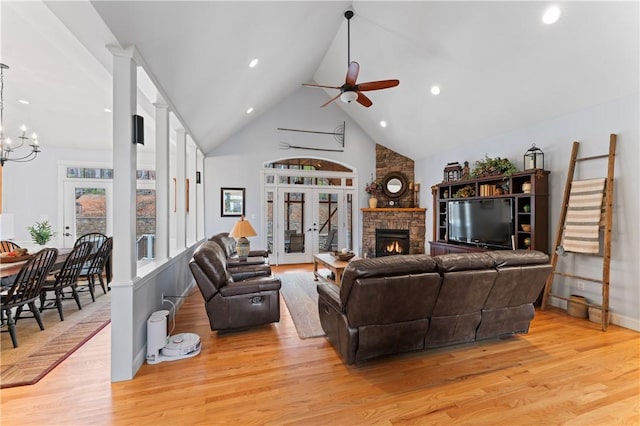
[
  {"x": 41, "y": 232},
  {"x": 373, "y": 188},
  {"x": 493, "y": 167}
]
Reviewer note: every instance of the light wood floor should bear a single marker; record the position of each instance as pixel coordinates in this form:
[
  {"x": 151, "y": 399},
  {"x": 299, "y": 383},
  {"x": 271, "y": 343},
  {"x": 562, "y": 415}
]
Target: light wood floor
[{"x": 565, "y": 371}]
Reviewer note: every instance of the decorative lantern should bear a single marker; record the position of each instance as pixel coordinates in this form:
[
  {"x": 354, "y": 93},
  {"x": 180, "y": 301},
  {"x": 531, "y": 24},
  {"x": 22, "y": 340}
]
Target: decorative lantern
[
  {"x": 452, "y": 172},
  {"x": 534, "y": 158}
]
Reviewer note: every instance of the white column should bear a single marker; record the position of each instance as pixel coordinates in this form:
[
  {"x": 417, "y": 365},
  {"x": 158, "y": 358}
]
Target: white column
[
  {"x": 181, "y": 192},
  {"x": 162, "y": 181},
  {"x": 192, "y": 215},
  {"x": 124, "y": 218},
  {"x": 200, "y": 195}
]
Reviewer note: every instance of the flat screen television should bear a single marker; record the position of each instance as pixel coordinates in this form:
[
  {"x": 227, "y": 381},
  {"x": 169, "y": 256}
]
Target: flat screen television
[{"x": 481, "y": 222}]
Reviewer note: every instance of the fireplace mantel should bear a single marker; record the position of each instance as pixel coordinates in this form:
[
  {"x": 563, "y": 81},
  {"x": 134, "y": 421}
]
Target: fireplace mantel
[{"x": 394, "y": 209}]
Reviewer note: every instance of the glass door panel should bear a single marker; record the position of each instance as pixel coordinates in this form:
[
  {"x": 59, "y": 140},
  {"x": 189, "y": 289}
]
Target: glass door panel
[
  {"x": 86, "y": 209},
  {"x": 294, "y": 224}
]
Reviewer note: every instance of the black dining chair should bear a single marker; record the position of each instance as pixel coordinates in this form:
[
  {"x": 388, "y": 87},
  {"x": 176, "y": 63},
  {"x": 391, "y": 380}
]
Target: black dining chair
[
  {"x": 66, "y": 277},
  {"x": 96, "y": 267},
  {"x": 25, "y": 289},
  {"x": 7, "y": 246}
]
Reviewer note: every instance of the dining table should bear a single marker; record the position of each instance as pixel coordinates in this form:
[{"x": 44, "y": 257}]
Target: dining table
[{"x": 9, "y": 269}]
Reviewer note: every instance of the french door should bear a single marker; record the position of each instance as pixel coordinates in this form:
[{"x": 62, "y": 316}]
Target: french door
[
  {"x": 309, "y": 221},
  {"x": 87, "y": 208}
]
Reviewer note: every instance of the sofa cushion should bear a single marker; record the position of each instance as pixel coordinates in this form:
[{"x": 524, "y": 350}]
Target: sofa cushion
[
  {"x": 227, "y": 243},
  {"x": 211, "y": 259},
  {"x": 503, "y": 258},
  {"x": 385, "y": 300},
  {"x": 463, "y": 262},
  {"x": 387, "y": 266}
]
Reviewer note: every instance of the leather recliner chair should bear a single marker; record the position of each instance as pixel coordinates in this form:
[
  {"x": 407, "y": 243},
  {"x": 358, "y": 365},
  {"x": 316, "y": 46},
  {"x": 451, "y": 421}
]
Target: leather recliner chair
[{"x": 233, "y": 300}]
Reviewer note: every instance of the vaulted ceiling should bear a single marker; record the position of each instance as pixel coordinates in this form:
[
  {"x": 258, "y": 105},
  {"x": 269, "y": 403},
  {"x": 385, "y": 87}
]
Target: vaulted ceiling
[{"x": 497, "y": 65}]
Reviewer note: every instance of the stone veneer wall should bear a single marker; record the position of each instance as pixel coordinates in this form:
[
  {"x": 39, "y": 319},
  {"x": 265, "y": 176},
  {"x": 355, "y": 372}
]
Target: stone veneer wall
[
  {"x": 388, "y": 161},
  {"x": 411, "y": 219}
]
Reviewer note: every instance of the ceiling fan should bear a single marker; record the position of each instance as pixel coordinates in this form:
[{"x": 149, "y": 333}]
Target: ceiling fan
[{"x": 350, "y": 91}]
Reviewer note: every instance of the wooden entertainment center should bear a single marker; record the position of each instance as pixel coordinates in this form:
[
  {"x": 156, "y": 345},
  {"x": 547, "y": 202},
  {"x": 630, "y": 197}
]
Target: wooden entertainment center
[{"x": 530, "y": 207}]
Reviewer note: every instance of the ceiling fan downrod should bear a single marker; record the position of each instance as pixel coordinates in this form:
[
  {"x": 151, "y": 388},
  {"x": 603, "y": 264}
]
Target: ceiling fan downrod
[{"x": 348, "y": 14}]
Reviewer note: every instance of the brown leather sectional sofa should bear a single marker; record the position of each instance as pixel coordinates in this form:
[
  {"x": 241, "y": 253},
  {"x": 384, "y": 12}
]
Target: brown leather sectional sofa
[{"x": 405, "y": 303}]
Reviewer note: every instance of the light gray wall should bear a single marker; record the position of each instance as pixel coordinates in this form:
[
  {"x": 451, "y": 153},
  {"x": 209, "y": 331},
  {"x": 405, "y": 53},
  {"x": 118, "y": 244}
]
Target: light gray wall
[
  {"x": 590, "y": 127},
  {"x": 239, "y": 161}
]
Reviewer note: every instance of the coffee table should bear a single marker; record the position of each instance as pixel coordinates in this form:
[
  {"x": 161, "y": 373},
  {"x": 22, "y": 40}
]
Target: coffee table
[{"x": 331, "y": 263}]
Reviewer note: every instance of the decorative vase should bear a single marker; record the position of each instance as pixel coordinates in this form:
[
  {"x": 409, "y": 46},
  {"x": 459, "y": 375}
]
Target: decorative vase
[
  {"x": 373, "y": 202},
  {"x": 526, "y": 187}
]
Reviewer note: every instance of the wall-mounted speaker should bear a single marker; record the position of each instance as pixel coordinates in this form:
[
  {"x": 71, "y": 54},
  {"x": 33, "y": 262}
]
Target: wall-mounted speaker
[{"x": 138, "y": 130}]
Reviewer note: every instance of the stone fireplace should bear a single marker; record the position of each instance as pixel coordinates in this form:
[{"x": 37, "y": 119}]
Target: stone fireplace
[
  {"x": 409, "y": 220},
  {"x": 405, "y": 218},
  {"x": 392, "y": 241}
]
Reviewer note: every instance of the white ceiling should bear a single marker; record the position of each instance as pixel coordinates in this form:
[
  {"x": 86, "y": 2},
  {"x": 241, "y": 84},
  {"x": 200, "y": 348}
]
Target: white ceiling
[{"x": 498, "y": 66}]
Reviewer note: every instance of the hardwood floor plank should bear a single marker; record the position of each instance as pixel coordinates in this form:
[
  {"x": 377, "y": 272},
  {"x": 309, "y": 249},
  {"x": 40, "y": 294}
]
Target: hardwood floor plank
[{"x": 565, "y": 371}]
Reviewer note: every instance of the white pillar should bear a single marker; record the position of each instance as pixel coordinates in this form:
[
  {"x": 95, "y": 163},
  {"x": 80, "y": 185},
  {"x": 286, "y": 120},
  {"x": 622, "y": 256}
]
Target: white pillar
[
  {"x": 124, "y": 218},
  {"x": 181, "y": 192},
  {"x": 192, "y": 215},
  {"x": 200, "y": 195},
  {"x": 162, "y": 181}
]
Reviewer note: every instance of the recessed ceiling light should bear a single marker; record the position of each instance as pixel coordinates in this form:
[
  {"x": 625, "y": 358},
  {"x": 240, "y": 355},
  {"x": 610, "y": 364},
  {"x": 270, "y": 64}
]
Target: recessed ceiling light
[
  {"x": 22, "y": 101},
  {"x": 435, "y": 90},
  {"x": 383, "y": 123},
  {"x": 253, "y": 63},
  {"x": 107, "y": 110},
  {"x": 250, "y": 110},
  {"x": 551, "y": 15}
]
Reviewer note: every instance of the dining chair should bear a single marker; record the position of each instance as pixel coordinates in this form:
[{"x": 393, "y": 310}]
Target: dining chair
[
  {"x": 96, "y": 267},
  {"x": 7, "y": 246},
  {"x": 95, "y": 238},
  {"x": 66, "y": 277},
  {"x": 25, "y": 289}
]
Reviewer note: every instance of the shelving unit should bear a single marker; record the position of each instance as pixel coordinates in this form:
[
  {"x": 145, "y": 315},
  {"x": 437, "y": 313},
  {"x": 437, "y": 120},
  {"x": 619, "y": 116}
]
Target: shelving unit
[{"x": 529, "y": 208}]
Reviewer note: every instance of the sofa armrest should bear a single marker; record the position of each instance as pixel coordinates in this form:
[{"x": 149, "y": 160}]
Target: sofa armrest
[
  {"x": 251, "y": 285},
  {"x": 330, "y": 293},
  {"x": 250, "y": 271},
  {"x": 259, "y": 253}
]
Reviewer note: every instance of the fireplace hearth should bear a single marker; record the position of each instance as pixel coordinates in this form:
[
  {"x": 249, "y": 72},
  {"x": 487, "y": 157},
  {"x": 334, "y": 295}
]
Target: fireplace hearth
[{"x": 391, "y": 242}]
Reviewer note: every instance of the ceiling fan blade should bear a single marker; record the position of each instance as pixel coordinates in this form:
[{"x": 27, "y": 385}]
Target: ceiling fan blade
[
  {"x": 377, "y": 85},
  {"x": 363, "y": 100},
  {"x": 320, "y": 85},
  {"x": 352, "y": 73},
  {"x": 330, "y": 100}
]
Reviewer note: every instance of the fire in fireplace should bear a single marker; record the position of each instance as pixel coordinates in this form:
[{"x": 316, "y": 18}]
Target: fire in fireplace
[{"x": 392, "y": 241}]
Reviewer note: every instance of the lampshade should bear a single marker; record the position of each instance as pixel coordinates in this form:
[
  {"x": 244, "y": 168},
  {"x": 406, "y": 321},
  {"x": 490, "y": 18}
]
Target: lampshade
[
  {"x": 348, "y": 97},
  {"x": 242, "y": 228}
]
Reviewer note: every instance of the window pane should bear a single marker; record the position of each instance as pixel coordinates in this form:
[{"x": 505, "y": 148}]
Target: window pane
[{"x": 145, "y": 223}]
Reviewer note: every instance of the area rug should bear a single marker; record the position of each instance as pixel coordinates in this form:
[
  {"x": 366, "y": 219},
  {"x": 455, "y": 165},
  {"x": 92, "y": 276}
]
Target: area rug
[
  {"x": 301, "y": 298},
  {"x": 39, "y": 352}
]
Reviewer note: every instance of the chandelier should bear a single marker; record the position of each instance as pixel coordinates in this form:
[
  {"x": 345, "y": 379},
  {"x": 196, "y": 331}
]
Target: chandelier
[{"x": 7, "y": 146}]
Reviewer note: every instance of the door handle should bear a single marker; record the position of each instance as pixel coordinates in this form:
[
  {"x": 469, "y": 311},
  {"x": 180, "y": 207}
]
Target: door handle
[{"x": 66, "y": 234}]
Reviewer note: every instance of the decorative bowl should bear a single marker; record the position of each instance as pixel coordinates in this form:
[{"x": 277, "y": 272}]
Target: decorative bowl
[
  {"x": 526, "y": 227},
  {"x": 342, "y": 256}
]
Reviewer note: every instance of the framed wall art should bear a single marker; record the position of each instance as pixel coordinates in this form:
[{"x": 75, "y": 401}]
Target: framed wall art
[{"x": 232, "y": 202}]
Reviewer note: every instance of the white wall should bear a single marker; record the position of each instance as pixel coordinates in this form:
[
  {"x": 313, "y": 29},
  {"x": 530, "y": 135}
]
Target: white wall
[
  {"x": 31, "y": 190},
  {"x": 240, "y": 159},
  {"x": 590, "y": 127}
]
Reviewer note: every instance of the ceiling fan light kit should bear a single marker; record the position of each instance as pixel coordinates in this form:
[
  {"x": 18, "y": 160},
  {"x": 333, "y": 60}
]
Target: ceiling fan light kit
[
  {"x": 348, "y": 97},
  {"x": 350, "y": 91}
]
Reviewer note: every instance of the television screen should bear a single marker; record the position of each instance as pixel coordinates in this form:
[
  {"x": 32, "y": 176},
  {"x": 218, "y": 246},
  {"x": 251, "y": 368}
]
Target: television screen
[{"x": 481, "y": 222}]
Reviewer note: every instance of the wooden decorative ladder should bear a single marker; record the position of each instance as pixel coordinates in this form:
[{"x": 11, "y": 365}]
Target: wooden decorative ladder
[{"x": 608, "y": 217}]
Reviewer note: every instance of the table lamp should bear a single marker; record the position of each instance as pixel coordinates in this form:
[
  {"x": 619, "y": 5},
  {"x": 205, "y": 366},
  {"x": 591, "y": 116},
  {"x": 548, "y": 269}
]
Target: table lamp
[{"x": 241, "y": 230}]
